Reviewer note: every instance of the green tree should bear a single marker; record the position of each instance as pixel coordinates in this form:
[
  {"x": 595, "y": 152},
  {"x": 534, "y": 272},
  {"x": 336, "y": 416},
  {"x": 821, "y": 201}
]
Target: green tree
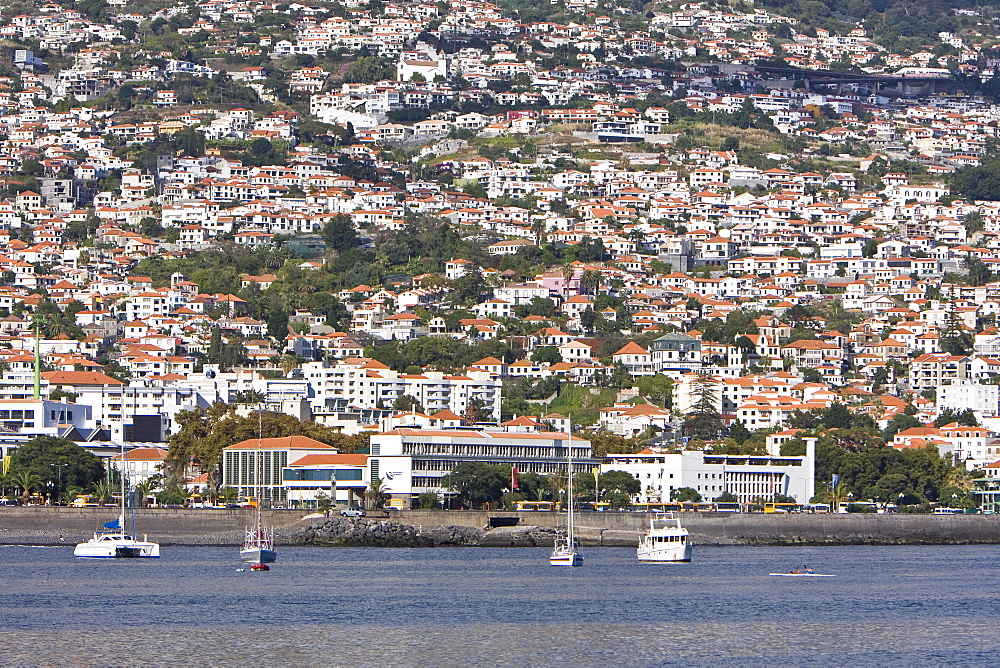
[
  {"x": 973, "y": 222},
  {"x": 26, "y": 481},
  {"x": 377, "y": 494},
  {"x": 738, "y": 432},
  {"x": 603, "y": 442},
  {"x": 657, "y": 389},
  {"x": 870, "y": 248},
  {"x": 547, "y": 355},
  {"x": 477, "y": 483},
  {"x": 979, "y": 273},
  {"x": 703, "y": 420},
  {"x": 44, "y": 456},
  {"x": 104, "y": 491},
  {"x": 966, "y": 418},
  {"x": 954, "y": 338},
  {"x": 369, "y": 69},
  {"x": 618, "y": 488},
  {"x": 535, "y": 486},
  {"x": 202, "y": 433},
  {"x": 339, "y": 233},
  {"x": 405, "y": 403},
  {"x": 475, "y": 411},
  {"x": 685, "y": 495}
]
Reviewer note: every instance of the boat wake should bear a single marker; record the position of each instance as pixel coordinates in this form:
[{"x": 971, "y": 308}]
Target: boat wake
[{"x": 40, "y": 547}]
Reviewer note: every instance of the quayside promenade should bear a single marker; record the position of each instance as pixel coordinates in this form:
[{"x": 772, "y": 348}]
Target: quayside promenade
[{"x": 44, "y": 526}]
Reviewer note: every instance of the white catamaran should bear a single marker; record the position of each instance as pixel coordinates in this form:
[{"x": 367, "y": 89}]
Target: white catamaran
[
  {"x": 258, "y": 544},
  {"x": 113, "y": 542},
  {"x": 564, "y": 550}
]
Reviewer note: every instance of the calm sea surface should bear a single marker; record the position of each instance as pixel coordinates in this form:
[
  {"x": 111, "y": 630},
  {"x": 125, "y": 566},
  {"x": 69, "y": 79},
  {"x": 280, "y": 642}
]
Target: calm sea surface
[{"x": 456, "y": 607}]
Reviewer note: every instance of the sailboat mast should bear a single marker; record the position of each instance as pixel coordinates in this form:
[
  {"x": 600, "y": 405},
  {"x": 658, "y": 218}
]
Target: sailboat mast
[
  {"x": 121, "y": 475},
  {"x": 260, "y": 472},
  {"x": 569, "y": 483}
]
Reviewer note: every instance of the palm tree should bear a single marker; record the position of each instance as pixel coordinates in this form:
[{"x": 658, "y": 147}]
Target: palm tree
[
  {"x": 538, "y": 229},
  {"x": 102, "y": 490},
  {"x": 376, "y": 493},
  {"x": 27, "y": 481},
  {"x": 228, "y": 493},
  {"x": 142, "y": 490},
  {"x": 287, "y": 363},
  {"x": 590, "y": 282}
]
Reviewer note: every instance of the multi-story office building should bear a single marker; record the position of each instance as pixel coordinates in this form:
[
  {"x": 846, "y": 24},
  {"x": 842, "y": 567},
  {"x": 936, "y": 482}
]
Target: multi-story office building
[{"x": 748, "y": 477}]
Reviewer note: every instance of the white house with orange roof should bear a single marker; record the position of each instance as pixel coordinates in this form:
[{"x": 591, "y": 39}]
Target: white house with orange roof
[
  {"x": 973, "y": 446},
  {"x": 140, "y": 464},
  {"x": 637, "y": 360},
  {"x": 631, "y": 420}
]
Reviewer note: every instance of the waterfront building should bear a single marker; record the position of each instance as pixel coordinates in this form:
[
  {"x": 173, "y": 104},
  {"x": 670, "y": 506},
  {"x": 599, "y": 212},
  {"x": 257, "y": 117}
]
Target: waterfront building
[
  {"x": 747, "y": 477},
  {"x": 342, "y": 478},
  {"x": 987, "y": 489},
  {"x": 413, "y": 461},
  {"x": 266, "y": 459}
]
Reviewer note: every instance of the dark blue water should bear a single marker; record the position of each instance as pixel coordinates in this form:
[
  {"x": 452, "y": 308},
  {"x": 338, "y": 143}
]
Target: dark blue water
[{"x": 887, "y": 605}]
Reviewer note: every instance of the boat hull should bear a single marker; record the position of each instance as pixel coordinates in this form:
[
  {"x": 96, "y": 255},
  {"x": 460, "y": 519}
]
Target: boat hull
[
  {"x": 258, "y": 555},
  {"x": 665, "y": 555},
  {"x": 565, "y": 554},
  {"x": 566, "y": 560}
]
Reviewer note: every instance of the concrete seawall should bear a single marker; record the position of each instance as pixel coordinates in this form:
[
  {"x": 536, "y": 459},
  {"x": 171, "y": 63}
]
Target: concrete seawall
[
  {"x": 43, "y": 526},
  {"x": 168, "y": 526},
  {"x": 622, "y": 529}
]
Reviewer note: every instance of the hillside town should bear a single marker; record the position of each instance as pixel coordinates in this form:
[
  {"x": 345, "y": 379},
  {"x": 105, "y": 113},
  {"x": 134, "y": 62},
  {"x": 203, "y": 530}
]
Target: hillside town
[{"x": 728, "y": 252}]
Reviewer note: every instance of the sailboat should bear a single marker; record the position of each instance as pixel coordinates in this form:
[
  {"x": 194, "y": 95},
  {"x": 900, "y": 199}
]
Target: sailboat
[
  {"x": 564, "y": 550},
  {"x": 112, "y": 542},
  {"x": 258, "y": 543}
]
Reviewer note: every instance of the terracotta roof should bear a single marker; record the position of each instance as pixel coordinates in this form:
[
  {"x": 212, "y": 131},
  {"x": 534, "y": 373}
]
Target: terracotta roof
[
  {"x": 79, "y": 378},
  {"x": 285, "y": 442},
  {"x": 143, "y": 454},
  {"x": 331, "y": 459}
]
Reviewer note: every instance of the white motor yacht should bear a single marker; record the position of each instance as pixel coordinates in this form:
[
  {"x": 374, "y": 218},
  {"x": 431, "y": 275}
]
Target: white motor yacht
[{"x": 665, "y": 540}]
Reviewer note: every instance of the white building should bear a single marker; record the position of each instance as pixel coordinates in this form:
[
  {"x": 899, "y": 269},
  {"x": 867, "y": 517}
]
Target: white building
[
  {"x": 984, "y": 400},
  {"x": 413, "y": 461},
  {"x": 366, "y": 383},
  {"x": 259, "y": 463},
  {"x": 748, "y": 477},
  {"x": 141, "y": 464}
]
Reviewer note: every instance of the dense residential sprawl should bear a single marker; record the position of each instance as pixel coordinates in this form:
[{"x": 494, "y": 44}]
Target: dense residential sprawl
[{"x": 711, "y": 239}]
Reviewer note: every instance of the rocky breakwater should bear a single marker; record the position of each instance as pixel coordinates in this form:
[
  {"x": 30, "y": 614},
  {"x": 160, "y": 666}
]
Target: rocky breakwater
[
  {"x": 520, "y": 536},
  {"x": 365, "y": 532}
]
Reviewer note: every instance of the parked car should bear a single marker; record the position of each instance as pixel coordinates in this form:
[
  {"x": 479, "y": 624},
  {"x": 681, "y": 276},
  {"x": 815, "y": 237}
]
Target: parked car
[{"x": 353, "y": 512}]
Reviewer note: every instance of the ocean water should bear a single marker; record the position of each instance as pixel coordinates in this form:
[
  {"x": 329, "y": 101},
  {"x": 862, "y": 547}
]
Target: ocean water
[{"x": 476, "y": 606}]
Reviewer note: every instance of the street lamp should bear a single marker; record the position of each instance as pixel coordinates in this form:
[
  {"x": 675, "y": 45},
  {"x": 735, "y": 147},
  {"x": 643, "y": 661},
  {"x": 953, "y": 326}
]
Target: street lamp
[
  {"x": 954, "y": 500},
  {"x": 59, "y": 468}
]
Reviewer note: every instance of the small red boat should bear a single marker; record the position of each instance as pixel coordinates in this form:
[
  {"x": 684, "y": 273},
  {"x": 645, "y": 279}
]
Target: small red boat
[{"x": 260, "y": 567}]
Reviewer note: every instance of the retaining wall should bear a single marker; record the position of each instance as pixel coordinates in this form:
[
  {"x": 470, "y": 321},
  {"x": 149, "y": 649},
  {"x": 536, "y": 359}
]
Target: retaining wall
[{"x": 42, "y": 525}]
